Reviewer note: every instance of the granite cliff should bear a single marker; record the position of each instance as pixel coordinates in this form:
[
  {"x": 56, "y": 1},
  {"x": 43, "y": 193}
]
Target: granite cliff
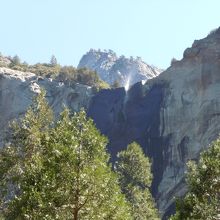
[
  {"x": 111, "y": 68},
  {"x": 17, "y": 89},
  {"x": 173, "y": 116}
]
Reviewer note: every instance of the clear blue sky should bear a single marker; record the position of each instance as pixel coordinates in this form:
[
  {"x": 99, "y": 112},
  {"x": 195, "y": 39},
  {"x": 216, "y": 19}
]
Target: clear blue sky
[{"x": 156, "y": 30}]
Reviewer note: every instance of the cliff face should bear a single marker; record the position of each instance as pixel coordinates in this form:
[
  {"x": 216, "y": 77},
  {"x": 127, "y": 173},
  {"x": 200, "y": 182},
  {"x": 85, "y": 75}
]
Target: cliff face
[
  {"x": 17, "y": 89},
  {"x": 111, "y": 68},
  {"x": 173, "y": 116}
]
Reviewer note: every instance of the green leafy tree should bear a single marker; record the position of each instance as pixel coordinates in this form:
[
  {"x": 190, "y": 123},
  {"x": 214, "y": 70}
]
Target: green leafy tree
[
  {"x": 133, "y": 168},
  {"x": 203, "y": 179},
  {"x": 58, "y": 170}
]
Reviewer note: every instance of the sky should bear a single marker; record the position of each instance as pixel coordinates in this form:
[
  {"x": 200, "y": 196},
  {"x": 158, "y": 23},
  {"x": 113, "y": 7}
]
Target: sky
[{"x": 155, "y": 30}]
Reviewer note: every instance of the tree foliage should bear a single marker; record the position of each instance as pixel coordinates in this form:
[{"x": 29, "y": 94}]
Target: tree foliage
[
  {"x": 69, "y": 74},
  {"x": 16, "y": 60},
  {"x": 203, "y": 179},
  {"x": 66, "y": 74},
  {"x": 116, "y": 84},
  {"x": 53, "y": 61},
  {"x": 58, "y": 170},
  {"x": 133, "y": 168}
]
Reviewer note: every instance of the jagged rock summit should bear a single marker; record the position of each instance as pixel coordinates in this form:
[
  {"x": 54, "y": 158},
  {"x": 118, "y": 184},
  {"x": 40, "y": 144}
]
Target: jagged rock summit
[{"x": 111, "y": 68}]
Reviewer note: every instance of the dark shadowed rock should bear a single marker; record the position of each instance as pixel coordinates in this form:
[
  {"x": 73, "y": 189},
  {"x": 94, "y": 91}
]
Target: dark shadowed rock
[{"x": 173, "y": 116}]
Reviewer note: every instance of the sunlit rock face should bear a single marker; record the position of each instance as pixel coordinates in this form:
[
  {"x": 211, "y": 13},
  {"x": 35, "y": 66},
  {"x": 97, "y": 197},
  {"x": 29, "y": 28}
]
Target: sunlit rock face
[
  {"x": 110, "y": 68},
  {"x": 174, "y": 116},
  {"x": 4, "y": 61},
  {"x": 17, "y": 89}
]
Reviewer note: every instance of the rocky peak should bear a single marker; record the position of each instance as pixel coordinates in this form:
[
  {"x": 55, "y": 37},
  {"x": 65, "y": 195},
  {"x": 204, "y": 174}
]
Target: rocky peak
[
  {"x": 111, "y": 68},
  {"x": 201, "y": 50}
]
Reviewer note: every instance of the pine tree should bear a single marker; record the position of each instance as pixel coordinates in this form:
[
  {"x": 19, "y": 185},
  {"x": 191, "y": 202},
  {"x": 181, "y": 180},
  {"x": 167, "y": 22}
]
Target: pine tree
[
  {"x": 116, "y": 84},
  {"x": 58, "y": 170},
  {"x": 20, "y": 159},
  {"x": 203, "y": 179},
  {"x": 53, "y": 61},
  {"x": 135, "y": 177},
  {"x": 91, "y": 186},
  {"x": 16, "y": 60}
]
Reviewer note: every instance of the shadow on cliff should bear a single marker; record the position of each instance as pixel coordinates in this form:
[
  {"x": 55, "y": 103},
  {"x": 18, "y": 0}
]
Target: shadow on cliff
[{"x": 133, "y": 116}]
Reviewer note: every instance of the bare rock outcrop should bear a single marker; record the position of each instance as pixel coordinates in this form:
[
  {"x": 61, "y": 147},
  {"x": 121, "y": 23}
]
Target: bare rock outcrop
[
  {"x": 17, "y": 89},
  {"x": 111, "y": 69}
]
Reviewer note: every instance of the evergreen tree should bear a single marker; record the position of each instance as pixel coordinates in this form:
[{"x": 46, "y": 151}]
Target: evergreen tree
[
  {"x": 116, "y": 84},
  {"x": 20, "y": 159},
  {"x": 58, "y": 170},
  {"x": 92, "y": 189},
  {"x": 16, "y": 60},
  {"x": 135, "y": 178},
  {"x": 53, "y": 61},
  {"x": 203, "y": 179}
]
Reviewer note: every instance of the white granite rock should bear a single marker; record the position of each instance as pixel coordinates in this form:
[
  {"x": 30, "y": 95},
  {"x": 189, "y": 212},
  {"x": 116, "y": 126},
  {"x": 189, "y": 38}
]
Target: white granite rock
[
  {"x": 17, "y": 89},
  {"x": 110, "y": 68}
]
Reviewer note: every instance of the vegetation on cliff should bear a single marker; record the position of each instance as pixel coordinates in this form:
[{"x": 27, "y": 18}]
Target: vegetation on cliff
[
  {"x": 66, "y": 74},
  {"x": 203, "y": 179}
]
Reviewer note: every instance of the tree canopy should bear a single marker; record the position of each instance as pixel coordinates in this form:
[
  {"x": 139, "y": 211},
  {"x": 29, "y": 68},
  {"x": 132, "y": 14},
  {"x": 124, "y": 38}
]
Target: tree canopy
[
  {"x": 58, "y": 170},
  {"x": 134, "y": 170}
]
